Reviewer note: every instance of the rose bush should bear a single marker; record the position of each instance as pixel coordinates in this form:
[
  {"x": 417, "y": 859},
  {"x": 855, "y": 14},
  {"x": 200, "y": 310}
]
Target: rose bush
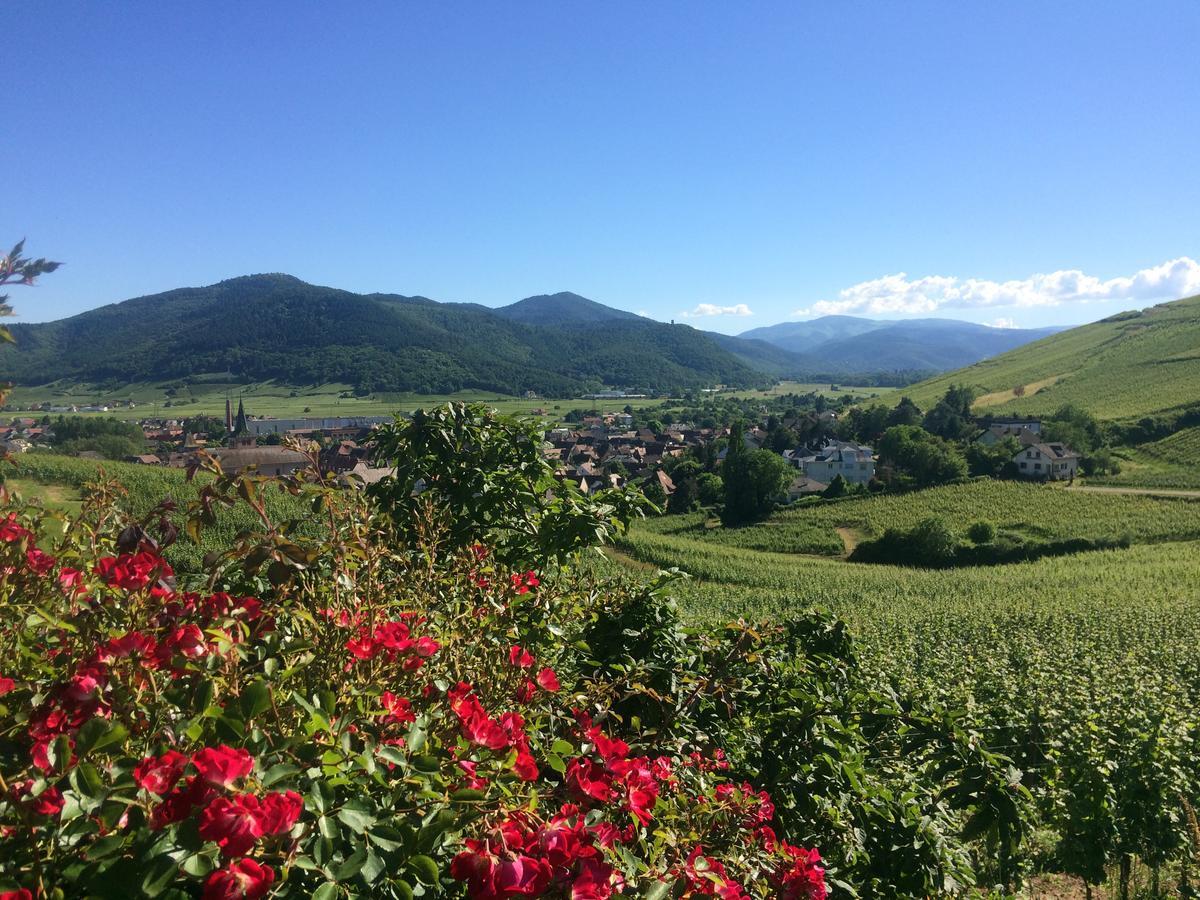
[{"x": 352, "y": 715}]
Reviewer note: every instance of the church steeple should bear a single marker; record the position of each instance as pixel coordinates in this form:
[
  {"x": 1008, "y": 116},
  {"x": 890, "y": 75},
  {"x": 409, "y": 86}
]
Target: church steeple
[
  {"x": 240, "y": 425},
  {"x": 228, "y": 416}
]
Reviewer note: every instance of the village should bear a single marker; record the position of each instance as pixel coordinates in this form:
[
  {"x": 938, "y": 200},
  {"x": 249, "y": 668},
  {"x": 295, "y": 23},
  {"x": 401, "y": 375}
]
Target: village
[{"x": 596, "y": 453}]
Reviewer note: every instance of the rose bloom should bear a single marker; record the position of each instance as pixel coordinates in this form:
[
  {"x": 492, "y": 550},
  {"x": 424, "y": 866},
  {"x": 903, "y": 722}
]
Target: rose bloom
[
  {"x": 159, "y": 774},
  {"x": 233, "y": 823},
  {"x": 241, "y": 880},
  {"x": 223, "y": 765}
]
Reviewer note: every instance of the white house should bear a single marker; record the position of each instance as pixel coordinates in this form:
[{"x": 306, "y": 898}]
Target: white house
[
  {"x": 1053, "y": 462},
  {"x": 854, "y": 462}
]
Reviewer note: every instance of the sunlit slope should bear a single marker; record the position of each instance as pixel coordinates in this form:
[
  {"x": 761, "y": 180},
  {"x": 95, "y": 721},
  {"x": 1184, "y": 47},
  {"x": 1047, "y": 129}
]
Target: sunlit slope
[{"x": 1129, "y": 365}]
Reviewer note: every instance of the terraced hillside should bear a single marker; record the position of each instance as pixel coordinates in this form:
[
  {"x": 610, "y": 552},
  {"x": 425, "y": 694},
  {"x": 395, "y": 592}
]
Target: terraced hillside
[{"x": 1127, "y": 366}]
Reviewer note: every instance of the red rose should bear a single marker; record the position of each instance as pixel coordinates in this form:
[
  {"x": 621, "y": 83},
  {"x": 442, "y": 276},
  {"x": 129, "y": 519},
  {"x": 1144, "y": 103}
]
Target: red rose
[
  {"x": 19, "y": 894},
  {"x": 159, "y": 774},
  {"x": 520, "y": 657},
  {"x": 548, "y": 681},
  {"x": 223, "y": 765},
  {"x": 234, "y": 823},
  {"x": 10, "y": 531},
  {"x": 279, "y": 812},
  {"x": 805, "y": 879},
  {"x": 589, "y": 779},
  {"x": 48, "y": 803},
  {"x": 594, "y": 881},
  {"x": 6, "y": 685},
  {"x": 241, "y": 880},
  {"x": 399, "y": 709},
  {"x": 39, "y": 562}
]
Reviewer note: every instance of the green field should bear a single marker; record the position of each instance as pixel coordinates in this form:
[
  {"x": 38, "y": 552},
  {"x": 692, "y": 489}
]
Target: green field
[
  {"x": 207, "y": 397},
  {"x": 1037, "y": 511},
  {"x": 1125, "y": 367},
  {"x": 824, "y": 389}
]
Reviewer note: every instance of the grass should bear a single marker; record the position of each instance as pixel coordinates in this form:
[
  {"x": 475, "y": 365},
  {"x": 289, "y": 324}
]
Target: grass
[
  {"x": 1130, "y": 367},
  {"x": 206, "y": 396},
  {"x": 1031, "y": 510}
]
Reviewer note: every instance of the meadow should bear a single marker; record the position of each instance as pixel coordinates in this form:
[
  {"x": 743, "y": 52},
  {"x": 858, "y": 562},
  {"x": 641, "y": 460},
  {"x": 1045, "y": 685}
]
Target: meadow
[{"x": 1042, "y": 512}]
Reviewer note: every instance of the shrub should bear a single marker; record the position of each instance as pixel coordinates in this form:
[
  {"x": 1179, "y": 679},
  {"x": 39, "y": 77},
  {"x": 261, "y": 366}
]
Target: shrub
[
  {"x": 982, "y": 532},
  {"x": 345, "y": 714}
]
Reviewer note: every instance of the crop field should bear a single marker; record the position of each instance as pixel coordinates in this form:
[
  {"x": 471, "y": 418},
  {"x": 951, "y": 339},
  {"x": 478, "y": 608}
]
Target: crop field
[
  {"x": 1035, "y": 511},
  {"x": 61, "y": 481},
  {"x": 1173, "y": 462},
  {"x": 207, "y": 397},
  {"x": 1083, "y": 669}
]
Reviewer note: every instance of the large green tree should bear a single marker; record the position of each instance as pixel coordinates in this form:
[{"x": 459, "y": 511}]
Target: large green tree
[
  {"x": 484, "y": 479},
  {"x": 754, "y": 481}
]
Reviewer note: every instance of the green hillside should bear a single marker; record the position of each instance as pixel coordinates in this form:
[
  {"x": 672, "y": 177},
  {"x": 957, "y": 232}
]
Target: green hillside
[
  {"x": 275, "y": 327},
  {"x": 1127, "y": 366}
]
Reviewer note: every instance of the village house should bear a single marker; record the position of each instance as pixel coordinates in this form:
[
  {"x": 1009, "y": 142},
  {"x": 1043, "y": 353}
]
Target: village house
[
  {"x": 854, "y": 462},
  {"x": 1049, "y": 462}
]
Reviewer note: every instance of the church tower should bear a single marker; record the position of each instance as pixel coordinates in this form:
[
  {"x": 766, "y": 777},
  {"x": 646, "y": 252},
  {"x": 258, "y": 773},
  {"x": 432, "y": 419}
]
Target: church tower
[
  {"x": 240, "y": 425},
  {"x": 228, "y": 416}
]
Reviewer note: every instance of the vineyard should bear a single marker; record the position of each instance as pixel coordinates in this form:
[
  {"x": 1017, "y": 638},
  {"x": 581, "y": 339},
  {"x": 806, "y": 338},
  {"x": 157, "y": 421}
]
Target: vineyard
[
  {"x": 1084, "y": 669},
  {"x": 1029, "y": 510},
  {"x": 1123, "y": 367},
  {"x": 144, "y": 487}
]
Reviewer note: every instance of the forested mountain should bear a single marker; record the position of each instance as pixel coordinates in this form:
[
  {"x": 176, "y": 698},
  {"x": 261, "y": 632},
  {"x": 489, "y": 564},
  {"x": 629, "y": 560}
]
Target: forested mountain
[
  {"x": 844, "y": 345},
  {"x": 563, "y": 308},
  {"x": 800, "y": 337},
  {"x": 278, "y": 327}
]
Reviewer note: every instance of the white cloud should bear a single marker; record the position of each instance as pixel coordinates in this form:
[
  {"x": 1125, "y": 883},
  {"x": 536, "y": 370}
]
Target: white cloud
[
  {"x": 1001, "y": 323},
  {"x": 900, "y": 294},
  {"x": 711, "y": 309}
]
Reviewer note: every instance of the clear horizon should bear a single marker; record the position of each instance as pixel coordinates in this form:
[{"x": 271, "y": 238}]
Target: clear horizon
[{"x": 1024, "y": 166}]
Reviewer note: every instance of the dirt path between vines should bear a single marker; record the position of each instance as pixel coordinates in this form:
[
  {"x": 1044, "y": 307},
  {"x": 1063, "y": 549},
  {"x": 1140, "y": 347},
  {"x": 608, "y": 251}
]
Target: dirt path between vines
[
  {"x": 849, "y": 536},
  {"x": 1149, "y": 492}
]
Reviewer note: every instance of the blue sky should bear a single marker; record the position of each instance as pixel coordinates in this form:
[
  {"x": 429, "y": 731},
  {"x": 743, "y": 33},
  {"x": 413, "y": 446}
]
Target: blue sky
[{"x": 668, "y": 158}]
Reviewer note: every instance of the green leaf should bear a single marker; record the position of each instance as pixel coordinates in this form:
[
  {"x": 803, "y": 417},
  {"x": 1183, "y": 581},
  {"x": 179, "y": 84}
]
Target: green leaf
[
  {"x": 427, "y": 764},
  {"x": 159, "y": 874},
  {"x": 658, "y": 890},
  {"x": 198, "y": 865},
  {"x": 468, "y": 795},
  {"x": 386, "y": 838},
  {"x": 424, "y": 869},
  {"x": 255, "y": 699},
  {"x": 98, "y": 733},
  {"x": 356, "y": 816},
  {"x": 278, "y": 772},
  {"x": 327, "y": 891},
  {"x": 87, "y": 781},
  {"x": 352, "y": 866},
  {"x": 403, "y": 890},
  {"x": 105, "y": 846}
]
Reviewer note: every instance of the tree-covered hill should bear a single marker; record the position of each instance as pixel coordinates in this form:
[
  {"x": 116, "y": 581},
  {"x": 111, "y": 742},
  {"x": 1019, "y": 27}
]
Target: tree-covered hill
[
  {"x": 278, "y": 327},
  {"x": 1128, "y": 366}
]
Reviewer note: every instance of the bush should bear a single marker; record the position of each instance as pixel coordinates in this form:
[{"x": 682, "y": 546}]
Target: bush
[
  {"x": 343, "y": 717},
  {"x": 982, "y": 532}
]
